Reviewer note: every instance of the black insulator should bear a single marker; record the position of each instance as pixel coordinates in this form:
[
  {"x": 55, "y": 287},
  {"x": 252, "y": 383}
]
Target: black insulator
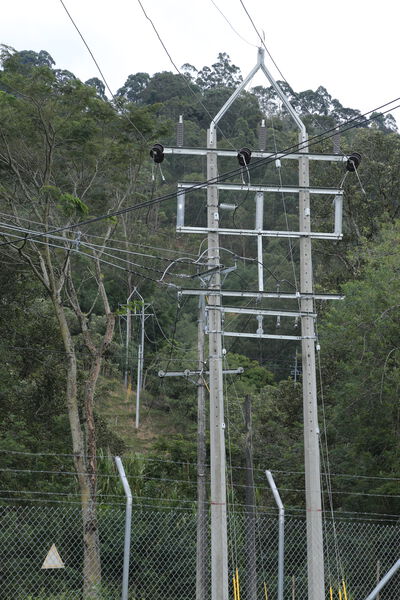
[
  {"x": 157, "y": 153},
  {"x": 244, "y": 156},
  {"x": 353, "y": 161}
]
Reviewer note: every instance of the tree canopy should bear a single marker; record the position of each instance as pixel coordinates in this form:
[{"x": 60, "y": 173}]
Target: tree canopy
[{"x": 69, "y": 154}]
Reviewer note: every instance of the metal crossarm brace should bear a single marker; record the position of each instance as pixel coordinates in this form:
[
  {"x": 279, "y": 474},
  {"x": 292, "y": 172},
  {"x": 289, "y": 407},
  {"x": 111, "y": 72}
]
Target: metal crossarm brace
[
  {"x": 259, "y": 295},
  {"x": 261, "y": 312},
  {"x": 189, "y": 373},
  {"x": 264, "y": 233},
  {"x": 268, "y": 336},
  {"x": 255, "y": 154},
  {"x": 287, "y": 189}
]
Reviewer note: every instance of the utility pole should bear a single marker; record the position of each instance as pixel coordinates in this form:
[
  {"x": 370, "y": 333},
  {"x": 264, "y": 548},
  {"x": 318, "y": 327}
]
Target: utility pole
[
  {"x": 315, "y": 549},
  {"x": 139, "y": 381},
  {"x": 202, "y": 511},
  {"x": 128, "y": 337},
  {"x": 304, "y": 299},
  {"x": 142, "y": 316},
  {"x": 219, "y": 541}
]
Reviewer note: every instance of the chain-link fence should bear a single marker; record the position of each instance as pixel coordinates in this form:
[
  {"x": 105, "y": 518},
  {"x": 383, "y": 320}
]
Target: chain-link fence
[{"x": 163, "y": 554}]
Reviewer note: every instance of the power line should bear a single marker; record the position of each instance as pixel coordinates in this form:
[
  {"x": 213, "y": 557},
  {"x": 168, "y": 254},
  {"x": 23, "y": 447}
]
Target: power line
[
  {"x": 114, "y": 240},
  {"x": 276, "y": 66},
  {"x": 231, "y": 26},
  {"x": 101, "y": 73},
  {"x": 179, "y": 72},
  {"x": 102, "y": 260},
  {"x": 197, "y": 186},
  {"x": 142, "y": 457},
  {"x": 95, "y": 248}
]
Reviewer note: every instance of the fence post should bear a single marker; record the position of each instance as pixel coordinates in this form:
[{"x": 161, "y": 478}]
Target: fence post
[
  {"x": 128, "y": 522},
  {"x": 384, "y": 581},
  {"x": 281, "y": 542}
]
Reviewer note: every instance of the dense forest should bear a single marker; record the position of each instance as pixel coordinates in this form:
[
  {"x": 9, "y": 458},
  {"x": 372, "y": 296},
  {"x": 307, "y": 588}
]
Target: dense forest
[{"x": 87, "y": 217}]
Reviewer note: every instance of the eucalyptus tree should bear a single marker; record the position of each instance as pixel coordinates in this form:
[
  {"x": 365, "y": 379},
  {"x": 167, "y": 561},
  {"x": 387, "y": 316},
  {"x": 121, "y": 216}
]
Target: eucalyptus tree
[{"x": 66, "y": 155}]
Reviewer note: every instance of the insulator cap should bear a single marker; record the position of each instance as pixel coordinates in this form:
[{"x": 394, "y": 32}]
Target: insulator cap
[
  {"x": 157, "y": 153},
  {"x": 353, "y": 161},
  {"x": 244, "y": 156}
]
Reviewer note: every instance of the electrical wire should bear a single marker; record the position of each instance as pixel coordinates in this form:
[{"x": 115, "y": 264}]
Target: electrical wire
[
  {"x": 231, "y": 26},
  {"x": 114, "y": 240},
  {"x": 102, "y": 260},
  {"x": 196, "y": 186},
  {"x": 198, "y": 98},
  {"x": 116, "y": 100},
  {"x": 276, "y": 66},
  {"x": 188, "y": 482},
  {"x": 188, "y": 463}
]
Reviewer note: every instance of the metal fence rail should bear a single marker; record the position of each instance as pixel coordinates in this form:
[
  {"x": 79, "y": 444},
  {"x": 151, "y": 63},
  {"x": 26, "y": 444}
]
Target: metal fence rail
[{"x": 163, "y": 554}]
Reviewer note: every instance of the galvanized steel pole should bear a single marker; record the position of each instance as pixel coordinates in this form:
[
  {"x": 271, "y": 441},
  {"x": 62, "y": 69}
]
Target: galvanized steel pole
[
  {"x": 384, "y": 581},
  {"x": 281, "y": 542},
  {"x": 128, "y": 524}
]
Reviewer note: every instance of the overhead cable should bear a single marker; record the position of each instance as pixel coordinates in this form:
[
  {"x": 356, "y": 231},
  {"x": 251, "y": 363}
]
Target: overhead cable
[{"x": 215, "y": 180}]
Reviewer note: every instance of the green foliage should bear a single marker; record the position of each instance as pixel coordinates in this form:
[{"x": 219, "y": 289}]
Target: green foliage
[
  {"x": 363, "y": 386},
  {"x": 98, "y": 162},
  {"x": 255, "y": 377}
]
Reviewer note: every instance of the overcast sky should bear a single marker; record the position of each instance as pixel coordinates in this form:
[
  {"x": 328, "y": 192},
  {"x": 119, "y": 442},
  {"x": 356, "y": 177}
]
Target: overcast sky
[{"x": 349, "y": 47}]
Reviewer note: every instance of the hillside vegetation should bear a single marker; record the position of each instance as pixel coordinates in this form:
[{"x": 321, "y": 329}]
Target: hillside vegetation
[{"x": 69, "y": 159}]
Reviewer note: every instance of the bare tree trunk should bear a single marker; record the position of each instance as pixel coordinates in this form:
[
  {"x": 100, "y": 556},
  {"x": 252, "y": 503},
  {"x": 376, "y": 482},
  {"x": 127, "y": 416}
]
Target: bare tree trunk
[
  {"x": 85, "y": 467},
  {"x": 91, "y": 562}
]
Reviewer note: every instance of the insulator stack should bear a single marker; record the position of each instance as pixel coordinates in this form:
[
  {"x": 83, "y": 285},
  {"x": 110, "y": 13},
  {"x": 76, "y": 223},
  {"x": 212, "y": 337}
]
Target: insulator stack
[
  {"x": 179, "y": 132},
  {"x": 262, "y": 136},
  {"x": 336, "y": 143}
]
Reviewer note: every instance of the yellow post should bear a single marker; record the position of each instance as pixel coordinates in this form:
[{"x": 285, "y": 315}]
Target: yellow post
[
  {"x": 344, "y": 589},
  {"x": 265, "y": 591},
  {"x": 234, "y": 588},
  {"x": 237, "y": 584},
  {"x": 330, "y": 592},
  {"x": 340, "y": 593}
]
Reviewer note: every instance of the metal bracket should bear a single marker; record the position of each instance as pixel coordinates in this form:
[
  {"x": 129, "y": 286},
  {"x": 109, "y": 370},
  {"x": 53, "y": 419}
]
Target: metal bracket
[{"x": 188, "y": 373}]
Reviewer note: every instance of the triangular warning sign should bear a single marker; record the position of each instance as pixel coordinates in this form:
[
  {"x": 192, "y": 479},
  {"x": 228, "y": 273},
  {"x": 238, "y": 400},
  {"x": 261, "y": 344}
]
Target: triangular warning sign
[{"x": 53, "y": 559}]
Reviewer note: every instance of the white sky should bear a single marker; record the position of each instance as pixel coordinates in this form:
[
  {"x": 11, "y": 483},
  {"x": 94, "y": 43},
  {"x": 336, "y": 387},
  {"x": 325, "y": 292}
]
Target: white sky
[{"x": 348, "y": 46}]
